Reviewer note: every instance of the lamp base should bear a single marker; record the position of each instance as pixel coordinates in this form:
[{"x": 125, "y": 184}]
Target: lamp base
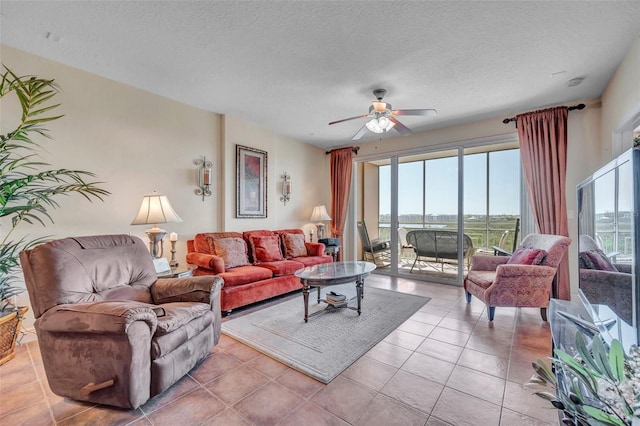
[
  {"x": 320, "y": 227},
  {"x": 156, "y": 247}
]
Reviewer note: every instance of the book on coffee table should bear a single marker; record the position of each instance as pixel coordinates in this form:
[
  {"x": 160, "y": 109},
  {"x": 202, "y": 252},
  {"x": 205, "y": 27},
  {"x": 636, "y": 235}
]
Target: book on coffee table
[{"x": 335, "y": 298}]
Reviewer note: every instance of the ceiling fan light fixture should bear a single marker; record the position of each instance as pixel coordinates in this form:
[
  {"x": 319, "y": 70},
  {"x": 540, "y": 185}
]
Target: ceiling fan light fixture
[
  {"x": 374, "y": 126},
  {"x": 379, "y": 106},
  {"x": 383, "y": 122}
]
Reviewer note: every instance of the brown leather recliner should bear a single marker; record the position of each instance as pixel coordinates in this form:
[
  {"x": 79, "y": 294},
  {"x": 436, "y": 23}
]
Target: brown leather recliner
[{"x": 109, "y": 330}]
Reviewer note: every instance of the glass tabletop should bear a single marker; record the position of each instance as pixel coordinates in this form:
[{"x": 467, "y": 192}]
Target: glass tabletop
[{"x": 334, "y": 270}]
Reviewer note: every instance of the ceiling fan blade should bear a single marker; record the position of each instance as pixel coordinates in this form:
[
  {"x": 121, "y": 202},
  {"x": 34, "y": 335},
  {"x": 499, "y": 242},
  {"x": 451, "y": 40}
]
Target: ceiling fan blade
[
  {"x": 360, "y": 133},
  {"x": 347, "y": 119},
  {"x": 427, "y": 112},
  {"x": 404, "y": 130}
]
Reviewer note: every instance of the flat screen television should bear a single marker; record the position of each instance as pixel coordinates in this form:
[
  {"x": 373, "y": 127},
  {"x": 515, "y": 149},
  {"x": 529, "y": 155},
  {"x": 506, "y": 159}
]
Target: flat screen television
[{"x": 608, "y": 247}]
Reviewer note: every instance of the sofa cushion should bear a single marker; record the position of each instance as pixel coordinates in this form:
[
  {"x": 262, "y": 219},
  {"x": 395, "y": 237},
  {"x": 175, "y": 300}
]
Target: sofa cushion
[
  {"x": 232, "y": 250},
  {"x": 245, "y": 275},
  {"x": 266, "y": 249},
  {"x": 527, "y": 256},
  {"x": 294, "y": 245},
  {"x": 282, "y": 267},
  {"x": 313, "y": 260},
  {"x": 203, "y": 242},
  {"x": 248, "y": 237}
]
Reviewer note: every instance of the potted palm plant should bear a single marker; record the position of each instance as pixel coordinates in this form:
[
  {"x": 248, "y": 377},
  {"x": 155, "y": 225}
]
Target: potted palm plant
[{"x": 28, "y": 189}]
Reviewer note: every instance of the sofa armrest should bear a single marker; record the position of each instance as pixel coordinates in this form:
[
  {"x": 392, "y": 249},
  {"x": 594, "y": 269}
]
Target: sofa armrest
[
  {"x": 314, "y": 249},
  {"x": 487, "y": 263},
  {"x": 191, "y": 289},
  {"x": 207, "y": 261},
  {"x": 105, "y": 317}
]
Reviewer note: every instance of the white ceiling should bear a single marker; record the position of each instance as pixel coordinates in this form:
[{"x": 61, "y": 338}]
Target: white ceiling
[{"x": 294, "y": 66}]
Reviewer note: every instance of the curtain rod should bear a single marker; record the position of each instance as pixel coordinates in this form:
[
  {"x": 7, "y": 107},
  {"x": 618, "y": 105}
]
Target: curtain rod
[
  {"x": 571, "y": 108},
  {"x": 354, "y": 149}
]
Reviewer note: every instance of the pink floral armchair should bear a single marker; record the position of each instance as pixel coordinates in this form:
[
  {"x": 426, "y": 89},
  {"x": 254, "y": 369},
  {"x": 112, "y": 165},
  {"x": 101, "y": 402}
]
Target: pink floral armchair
[{"x": 522, "y": 280}]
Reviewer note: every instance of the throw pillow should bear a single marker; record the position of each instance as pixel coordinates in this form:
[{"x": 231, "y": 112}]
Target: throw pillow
[
  {"x": 584, "y": 262},
  {"x": 266, "y": 249},
  {"x": 294, "y": 245},
  {"x": 527, "y": 256},
  {"x": 600, "y": 261},
  {"x": 232, "y": 250}
]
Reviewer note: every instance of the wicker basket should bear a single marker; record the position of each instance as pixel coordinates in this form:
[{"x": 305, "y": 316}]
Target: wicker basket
[{"x": 9, "y": 328}]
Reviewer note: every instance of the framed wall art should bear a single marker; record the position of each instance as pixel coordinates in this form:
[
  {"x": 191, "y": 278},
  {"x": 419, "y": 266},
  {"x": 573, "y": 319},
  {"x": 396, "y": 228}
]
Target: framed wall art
[{"x": 251, "y": 182}]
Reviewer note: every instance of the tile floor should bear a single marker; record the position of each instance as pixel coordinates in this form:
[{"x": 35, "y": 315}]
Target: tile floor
[{"x": 445, "y": 365}]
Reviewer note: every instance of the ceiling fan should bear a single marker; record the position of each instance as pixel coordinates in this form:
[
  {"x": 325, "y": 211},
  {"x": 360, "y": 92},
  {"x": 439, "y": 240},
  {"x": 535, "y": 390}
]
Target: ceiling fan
[{"x": 382, "y": 117}]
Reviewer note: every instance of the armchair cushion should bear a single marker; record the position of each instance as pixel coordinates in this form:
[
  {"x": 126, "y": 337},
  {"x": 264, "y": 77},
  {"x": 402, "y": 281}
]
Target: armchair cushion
[
  {"x": 294, "y": 245},
  {"x": 232, "y": 250},
  {"x": 266, "y": 248},
  {"x": 179, "y": 325},
  {"x": 527, "y": 256},
  {"x": 482, "y": 278},
  {"x": 177, "y": 314}
]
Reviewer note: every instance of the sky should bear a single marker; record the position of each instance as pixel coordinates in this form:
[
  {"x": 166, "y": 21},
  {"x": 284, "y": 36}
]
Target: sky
[{"x": 441, "y": 178}]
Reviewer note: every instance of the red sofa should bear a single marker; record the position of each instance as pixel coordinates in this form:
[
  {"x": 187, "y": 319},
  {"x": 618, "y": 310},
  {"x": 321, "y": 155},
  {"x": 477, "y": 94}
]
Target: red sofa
[{"x": 255, "y": 265}]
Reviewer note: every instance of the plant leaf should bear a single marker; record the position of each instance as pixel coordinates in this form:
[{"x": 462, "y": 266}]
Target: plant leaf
[
  {"x": 603, "y": 417},
  {"x": 616, "y": 360}
]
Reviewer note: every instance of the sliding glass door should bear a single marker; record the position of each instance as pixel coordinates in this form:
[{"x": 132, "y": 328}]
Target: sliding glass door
[{"x": 436, "y": 209}]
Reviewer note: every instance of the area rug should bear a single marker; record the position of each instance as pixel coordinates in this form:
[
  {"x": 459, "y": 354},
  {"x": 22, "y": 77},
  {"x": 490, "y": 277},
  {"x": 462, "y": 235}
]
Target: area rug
[{"x": 333, "y": 338}]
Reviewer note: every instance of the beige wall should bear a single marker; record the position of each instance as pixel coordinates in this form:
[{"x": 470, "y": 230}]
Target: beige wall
[
  {"x": 621, "y": 104},
  {"x": 137, "y": 142},
  {"x": 308, "y": 167}
]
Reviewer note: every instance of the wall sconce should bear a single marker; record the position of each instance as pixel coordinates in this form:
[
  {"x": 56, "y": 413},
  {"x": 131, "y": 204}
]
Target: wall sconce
[
  {"x": 286, "y": 188},
  {"x": 205, "y": 177}
]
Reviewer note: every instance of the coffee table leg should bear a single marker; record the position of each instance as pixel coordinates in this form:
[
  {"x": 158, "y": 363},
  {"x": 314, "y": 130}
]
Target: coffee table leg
[
  {"x": 305, "y": 295},
  {"x": 359, "y": 291},
  {"x": 318, "y": 294}
]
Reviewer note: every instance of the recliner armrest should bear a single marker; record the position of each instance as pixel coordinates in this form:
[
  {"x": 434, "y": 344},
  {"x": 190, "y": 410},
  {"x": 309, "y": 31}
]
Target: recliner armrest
[
  {"x": 104, "y": 317},
  {"x": 202, "y": 289}
]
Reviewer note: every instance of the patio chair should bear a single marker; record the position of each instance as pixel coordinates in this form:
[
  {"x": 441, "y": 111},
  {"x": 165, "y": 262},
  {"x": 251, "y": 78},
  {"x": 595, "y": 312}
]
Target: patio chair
[
  {"x": 377, "y": 251},
  {"x": 405, "y": 247}
]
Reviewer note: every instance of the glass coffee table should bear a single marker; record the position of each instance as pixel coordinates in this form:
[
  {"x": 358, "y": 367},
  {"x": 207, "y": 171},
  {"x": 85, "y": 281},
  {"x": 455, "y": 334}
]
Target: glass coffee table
[{"x": 328, "y": 274}]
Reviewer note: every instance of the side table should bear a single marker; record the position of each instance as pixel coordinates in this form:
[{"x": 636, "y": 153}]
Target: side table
[
  {"x": 333, "y": 251},
  {"x": 178, "y": 272}
]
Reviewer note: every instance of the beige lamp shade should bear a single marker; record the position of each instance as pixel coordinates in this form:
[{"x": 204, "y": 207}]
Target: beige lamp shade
[
  {"x": 155, "y": 208},
  {"x": 319, "y": 214}
]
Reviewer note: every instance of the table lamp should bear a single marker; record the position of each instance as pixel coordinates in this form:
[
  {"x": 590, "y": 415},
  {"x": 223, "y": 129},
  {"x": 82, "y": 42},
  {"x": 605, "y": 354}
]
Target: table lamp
[
  {"x": 319, "y": 215},
  {"x": 155, "y": 209}
]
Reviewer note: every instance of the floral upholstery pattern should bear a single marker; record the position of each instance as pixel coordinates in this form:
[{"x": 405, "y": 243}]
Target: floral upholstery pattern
[
  {"x": 266, "y": 249},
  {"x": 232, "y": 250},
  {"x": 527, "y": 256},
  {"x": 497, "y": 281},
  {"x": 293, "y": 245}
]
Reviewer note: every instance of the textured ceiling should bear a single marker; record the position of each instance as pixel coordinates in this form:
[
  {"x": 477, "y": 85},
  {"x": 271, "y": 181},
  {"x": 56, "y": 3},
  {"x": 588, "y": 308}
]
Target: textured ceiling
[{"x": 294, "y": 66}]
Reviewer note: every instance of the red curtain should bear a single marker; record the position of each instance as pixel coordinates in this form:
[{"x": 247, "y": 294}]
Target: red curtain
[
  {"x": 341, "y": 169},
  {"x": 543, "y": 149}
]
